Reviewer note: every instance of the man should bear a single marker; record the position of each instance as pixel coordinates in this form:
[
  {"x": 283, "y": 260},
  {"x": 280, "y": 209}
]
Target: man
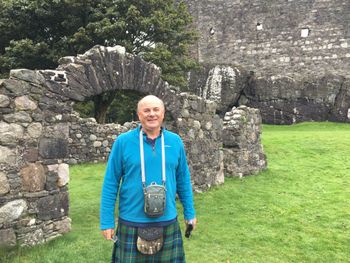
[{"x": 148, "y": 157}]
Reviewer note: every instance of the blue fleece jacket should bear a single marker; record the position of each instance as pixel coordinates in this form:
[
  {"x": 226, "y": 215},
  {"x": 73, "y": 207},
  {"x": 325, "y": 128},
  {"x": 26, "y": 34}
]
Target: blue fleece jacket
[{"x": 123, "y": 174}]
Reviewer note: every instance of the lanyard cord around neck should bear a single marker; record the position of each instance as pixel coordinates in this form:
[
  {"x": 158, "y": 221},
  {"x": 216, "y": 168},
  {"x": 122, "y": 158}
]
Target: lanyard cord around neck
[{"x": 142, "y": 156}]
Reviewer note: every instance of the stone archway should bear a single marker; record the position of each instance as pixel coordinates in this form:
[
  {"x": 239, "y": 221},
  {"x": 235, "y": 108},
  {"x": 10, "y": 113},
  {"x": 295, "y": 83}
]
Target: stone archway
[
  {"x": 103, "y": 69},
  {"x": 37, "y": 123}
]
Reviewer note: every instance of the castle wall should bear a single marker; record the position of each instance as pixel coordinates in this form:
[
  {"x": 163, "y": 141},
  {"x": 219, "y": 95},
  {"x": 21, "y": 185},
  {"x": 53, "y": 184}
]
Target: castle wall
[{"x": 274, "y": 37}]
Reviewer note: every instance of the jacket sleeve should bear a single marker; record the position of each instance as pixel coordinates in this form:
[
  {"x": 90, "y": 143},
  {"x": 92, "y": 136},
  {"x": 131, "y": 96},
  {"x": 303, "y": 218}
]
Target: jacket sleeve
[
  {"x": 110, "y": 186},
  {"x": 183, "y": 185}
]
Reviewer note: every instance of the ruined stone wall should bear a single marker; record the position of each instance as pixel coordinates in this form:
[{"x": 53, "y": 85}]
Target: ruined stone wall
[
  {"x": 37, "y": 126},
  {"x": 237, "y": 137},
  {"x": 280, "y": 99},
  {"x": 201, "y": 129},
  {"x": 196, "y": 123},
  {"x": 92, "y": 142},
  {"x": 33, "y": 179},
  {"x": 235, "y": 141},
  {"x": 243, "y": 151},
  {"x": 286, "y": 100},
  {"x": 274, "y": 37},
  {"x": 41, "y": 135}
]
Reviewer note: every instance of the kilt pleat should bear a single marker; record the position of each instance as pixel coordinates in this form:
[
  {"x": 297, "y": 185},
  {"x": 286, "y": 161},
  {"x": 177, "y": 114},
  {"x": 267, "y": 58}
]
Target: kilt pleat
[{"x": 126, "y": 250}]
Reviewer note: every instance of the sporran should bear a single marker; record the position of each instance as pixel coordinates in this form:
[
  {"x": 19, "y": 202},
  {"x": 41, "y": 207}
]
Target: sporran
[{"x": 149, "y": 240}]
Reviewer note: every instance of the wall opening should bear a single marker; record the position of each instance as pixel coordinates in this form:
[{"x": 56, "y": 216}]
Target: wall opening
[
  {"x": 259, "y": 26},
  {"x": 211, "y": 31},
  {"x": 305, "y": 32},
  {"x": 121, "y": 110}
]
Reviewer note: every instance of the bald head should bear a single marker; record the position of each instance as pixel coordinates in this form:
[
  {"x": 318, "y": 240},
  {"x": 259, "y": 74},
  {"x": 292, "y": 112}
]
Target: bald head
[
  {"x": 150, "y": 99},
  {"x": 150, "y": 111}
]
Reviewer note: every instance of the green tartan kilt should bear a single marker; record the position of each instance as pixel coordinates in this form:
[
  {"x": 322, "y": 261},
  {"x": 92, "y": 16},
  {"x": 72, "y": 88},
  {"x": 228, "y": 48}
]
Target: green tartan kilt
[{"x": 126, "y": 250}]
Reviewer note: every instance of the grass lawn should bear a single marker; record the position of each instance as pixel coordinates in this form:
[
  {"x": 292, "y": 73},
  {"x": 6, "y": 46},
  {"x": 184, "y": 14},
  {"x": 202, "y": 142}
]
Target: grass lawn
[{"x": 298, "y": 210}]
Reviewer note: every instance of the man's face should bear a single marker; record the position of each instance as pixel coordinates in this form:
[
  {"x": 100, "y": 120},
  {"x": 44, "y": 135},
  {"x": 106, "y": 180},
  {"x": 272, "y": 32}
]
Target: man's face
[{"x": 151, "y": 115}]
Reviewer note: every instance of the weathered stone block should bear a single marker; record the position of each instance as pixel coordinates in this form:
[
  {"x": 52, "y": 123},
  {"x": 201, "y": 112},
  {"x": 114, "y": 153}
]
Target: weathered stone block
[
  {"x": 12, "y": 211},
  {"x": 51, "y": 180},
  {"x": 36, "y": 194},
  {"x": 20, "y": 116},
  {"x": 16, "y": 87},
  {"x": 24, "y": 103},
  {"x": 220, "y": 177},
  {"x": 27, "y": 75},
  {"x": 7, "y": 156},
  {"x": 4, "y": 184},
  {"x": 52, "y": 148},
  {"x": 53, "y": 206},
  {"x": 60, "y": 130},
  {"x": 97, "y": 144},
  {"x": 33, "y": 177},
  {"x": 37, "y": 115},
  {"x": 63, "y": 174},
  {"x": 196, "y": 125},
  {"x": 7, "y": 238},
  {"x": 208, "y": 125},
  {"x": 63, "y": 226},
  {"x": 35, "y": 129},
  {"x": 4, "y": 101},
  {"x": 31, "y": 155},
  {"x": 52, "y": 167},
  {"x": 10, "y": 133}
]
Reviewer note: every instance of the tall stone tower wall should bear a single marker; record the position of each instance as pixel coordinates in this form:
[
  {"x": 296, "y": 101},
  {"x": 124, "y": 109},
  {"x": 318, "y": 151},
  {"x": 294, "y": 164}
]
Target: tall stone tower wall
[{"x": 274, "y": 37}]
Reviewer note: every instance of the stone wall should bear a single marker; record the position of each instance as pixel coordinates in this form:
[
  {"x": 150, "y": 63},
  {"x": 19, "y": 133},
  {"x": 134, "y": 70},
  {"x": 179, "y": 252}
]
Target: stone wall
[
  {"x": 243, "y": 151},
  {"x": 33, "y": 193},
  {"x": 237, "y": 137},
  {"x": 92, "y": 142},
  {"x": 235, "y": 141},
  {"x": 201, "y": 131},
  {"x": 222, "y": 84},
  {"x": 286, "y": 100},
  {"x": 197, "y": 124},
  {"x": 276, "y": 37},
  {"x": 41, "y": 135},
  {"x": 281, "y": 100}
]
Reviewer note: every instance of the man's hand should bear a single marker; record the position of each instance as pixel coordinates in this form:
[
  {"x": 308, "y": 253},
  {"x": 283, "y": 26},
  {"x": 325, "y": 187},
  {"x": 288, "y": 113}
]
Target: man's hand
[
  {"x": 192, "y": 221},
  {"x": 108, "y": 233}
]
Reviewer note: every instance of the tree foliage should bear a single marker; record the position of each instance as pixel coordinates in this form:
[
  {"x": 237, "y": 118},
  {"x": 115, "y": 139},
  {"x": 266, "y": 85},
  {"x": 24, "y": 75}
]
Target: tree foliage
[
  {"x": 36, "y": 33},
  {"x": 122, "y": 109}
]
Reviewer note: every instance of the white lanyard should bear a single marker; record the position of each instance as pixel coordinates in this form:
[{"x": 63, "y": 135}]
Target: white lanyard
[{"x": 142, "y": 156}]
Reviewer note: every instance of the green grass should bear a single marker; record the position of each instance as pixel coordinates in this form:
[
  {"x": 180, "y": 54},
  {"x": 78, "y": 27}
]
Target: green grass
[{"x": 298, "y": 210}]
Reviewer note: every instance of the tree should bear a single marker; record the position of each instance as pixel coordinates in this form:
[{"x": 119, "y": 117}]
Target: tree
[
  {"x": 34, "y": 34},
  {"x": 25, "y": 53},
  {"x": 122, "y": 109}
]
